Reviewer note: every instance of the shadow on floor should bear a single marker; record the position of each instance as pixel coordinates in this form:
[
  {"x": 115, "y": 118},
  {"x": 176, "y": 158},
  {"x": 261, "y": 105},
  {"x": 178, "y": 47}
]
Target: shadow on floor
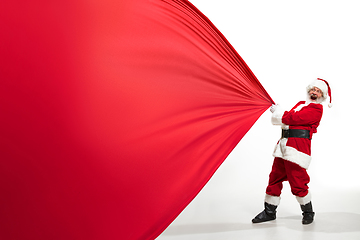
[
  {"x": 335, "y": 222},
  {"x": 204, "y": 228},
  {"x": 324, "y": 222}
]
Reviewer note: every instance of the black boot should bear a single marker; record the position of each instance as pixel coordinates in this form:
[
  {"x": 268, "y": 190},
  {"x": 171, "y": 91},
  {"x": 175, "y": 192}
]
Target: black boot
[
  {"x": 308, "y": 214},
  {"x": 268, "y": 214}
]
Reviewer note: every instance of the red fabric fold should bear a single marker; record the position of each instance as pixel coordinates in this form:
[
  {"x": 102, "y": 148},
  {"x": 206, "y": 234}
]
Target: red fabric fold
[{"x": 114, "y": 115}]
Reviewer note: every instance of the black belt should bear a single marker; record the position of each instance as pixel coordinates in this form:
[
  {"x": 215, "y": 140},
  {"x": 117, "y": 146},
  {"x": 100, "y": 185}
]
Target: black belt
[{"x": 296, "y": 133}]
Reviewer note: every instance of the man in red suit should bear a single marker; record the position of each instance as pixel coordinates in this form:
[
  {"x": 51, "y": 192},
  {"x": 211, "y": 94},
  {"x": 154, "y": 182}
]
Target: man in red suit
[{"x": 293, "y": 151}]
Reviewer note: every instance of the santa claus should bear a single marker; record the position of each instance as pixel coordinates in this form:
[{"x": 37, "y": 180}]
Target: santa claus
[{"x": 293, "y": 151}]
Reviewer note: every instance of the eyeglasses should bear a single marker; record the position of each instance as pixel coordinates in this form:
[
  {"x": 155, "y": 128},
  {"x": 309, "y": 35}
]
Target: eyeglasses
[{"x": 315, "y": 89}]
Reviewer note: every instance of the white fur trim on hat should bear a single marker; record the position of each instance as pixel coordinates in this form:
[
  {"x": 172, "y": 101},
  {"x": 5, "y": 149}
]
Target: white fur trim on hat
[
  {"x": 321, "y": 85},
  {"x": 324, "y": 86}
]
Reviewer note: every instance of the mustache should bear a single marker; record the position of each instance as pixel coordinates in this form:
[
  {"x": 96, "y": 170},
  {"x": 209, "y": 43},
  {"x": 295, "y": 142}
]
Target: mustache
[{"x": 313, "y": 96}]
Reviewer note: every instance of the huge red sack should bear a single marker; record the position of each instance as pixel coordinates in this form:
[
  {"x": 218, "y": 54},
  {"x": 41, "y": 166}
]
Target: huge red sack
[{"x": 114, "y": 115}]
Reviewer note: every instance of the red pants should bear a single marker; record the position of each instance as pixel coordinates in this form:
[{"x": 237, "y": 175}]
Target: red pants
[{"x": 283, "y": 170}]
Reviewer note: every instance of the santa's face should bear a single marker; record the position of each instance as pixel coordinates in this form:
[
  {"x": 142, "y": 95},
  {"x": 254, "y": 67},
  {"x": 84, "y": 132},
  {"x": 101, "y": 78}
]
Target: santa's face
[{"x": 315, "y": 93}]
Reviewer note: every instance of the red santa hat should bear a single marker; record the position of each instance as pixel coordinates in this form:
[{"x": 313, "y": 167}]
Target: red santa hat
[{"x": 324, "y": 86}]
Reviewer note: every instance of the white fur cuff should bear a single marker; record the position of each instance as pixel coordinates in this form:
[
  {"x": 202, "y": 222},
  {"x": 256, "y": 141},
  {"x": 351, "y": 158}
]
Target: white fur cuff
[
  {"x": 304, "y": 200},
  {"x": 276, "y": 118},
  {"x": 273, "y": 200}
]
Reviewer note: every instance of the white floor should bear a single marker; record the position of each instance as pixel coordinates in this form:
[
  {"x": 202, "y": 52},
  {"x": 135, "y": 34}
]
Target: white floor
[
  {"x": 217, "y": 216},
  {"x": 234, "y": 195}
]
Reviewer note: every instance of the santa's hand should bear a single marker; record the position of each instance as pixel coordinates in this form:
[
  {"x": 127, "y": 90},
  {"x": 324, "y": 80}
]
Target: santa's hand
[{"x": 273, "y": 108}]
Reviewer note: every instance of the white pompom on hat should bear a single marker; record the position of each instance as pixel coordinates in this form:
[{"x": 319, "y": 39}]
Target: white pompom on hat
[{"x": 324, "y": 86}]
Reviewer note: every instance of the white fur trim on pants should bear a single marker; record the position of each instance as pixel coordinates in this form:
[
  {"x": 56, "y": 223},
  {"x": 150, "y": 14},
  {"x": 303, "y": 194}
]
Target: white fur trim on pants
[
  {"x": 273, "y": 200},
  {"x": 304, "y": 200}
]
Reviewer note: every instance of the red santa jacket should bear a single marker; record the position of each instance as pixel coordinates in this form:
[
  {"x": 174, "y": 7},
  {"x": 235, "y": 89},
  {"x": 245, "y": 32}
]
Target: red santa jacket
[{"x": 305, "y": 116}]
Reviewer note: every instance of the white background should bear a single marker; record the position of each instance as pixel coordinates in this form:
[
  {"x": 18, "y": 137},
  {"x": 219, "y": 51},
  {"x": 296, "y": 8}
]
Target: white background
[{"x": 287, "y": 44}]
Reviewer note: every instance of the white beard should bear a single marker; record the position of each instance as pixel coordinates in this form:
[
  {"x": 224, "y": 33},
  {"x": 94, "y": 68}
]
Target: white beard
[{"x": 317, "y": 100}]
